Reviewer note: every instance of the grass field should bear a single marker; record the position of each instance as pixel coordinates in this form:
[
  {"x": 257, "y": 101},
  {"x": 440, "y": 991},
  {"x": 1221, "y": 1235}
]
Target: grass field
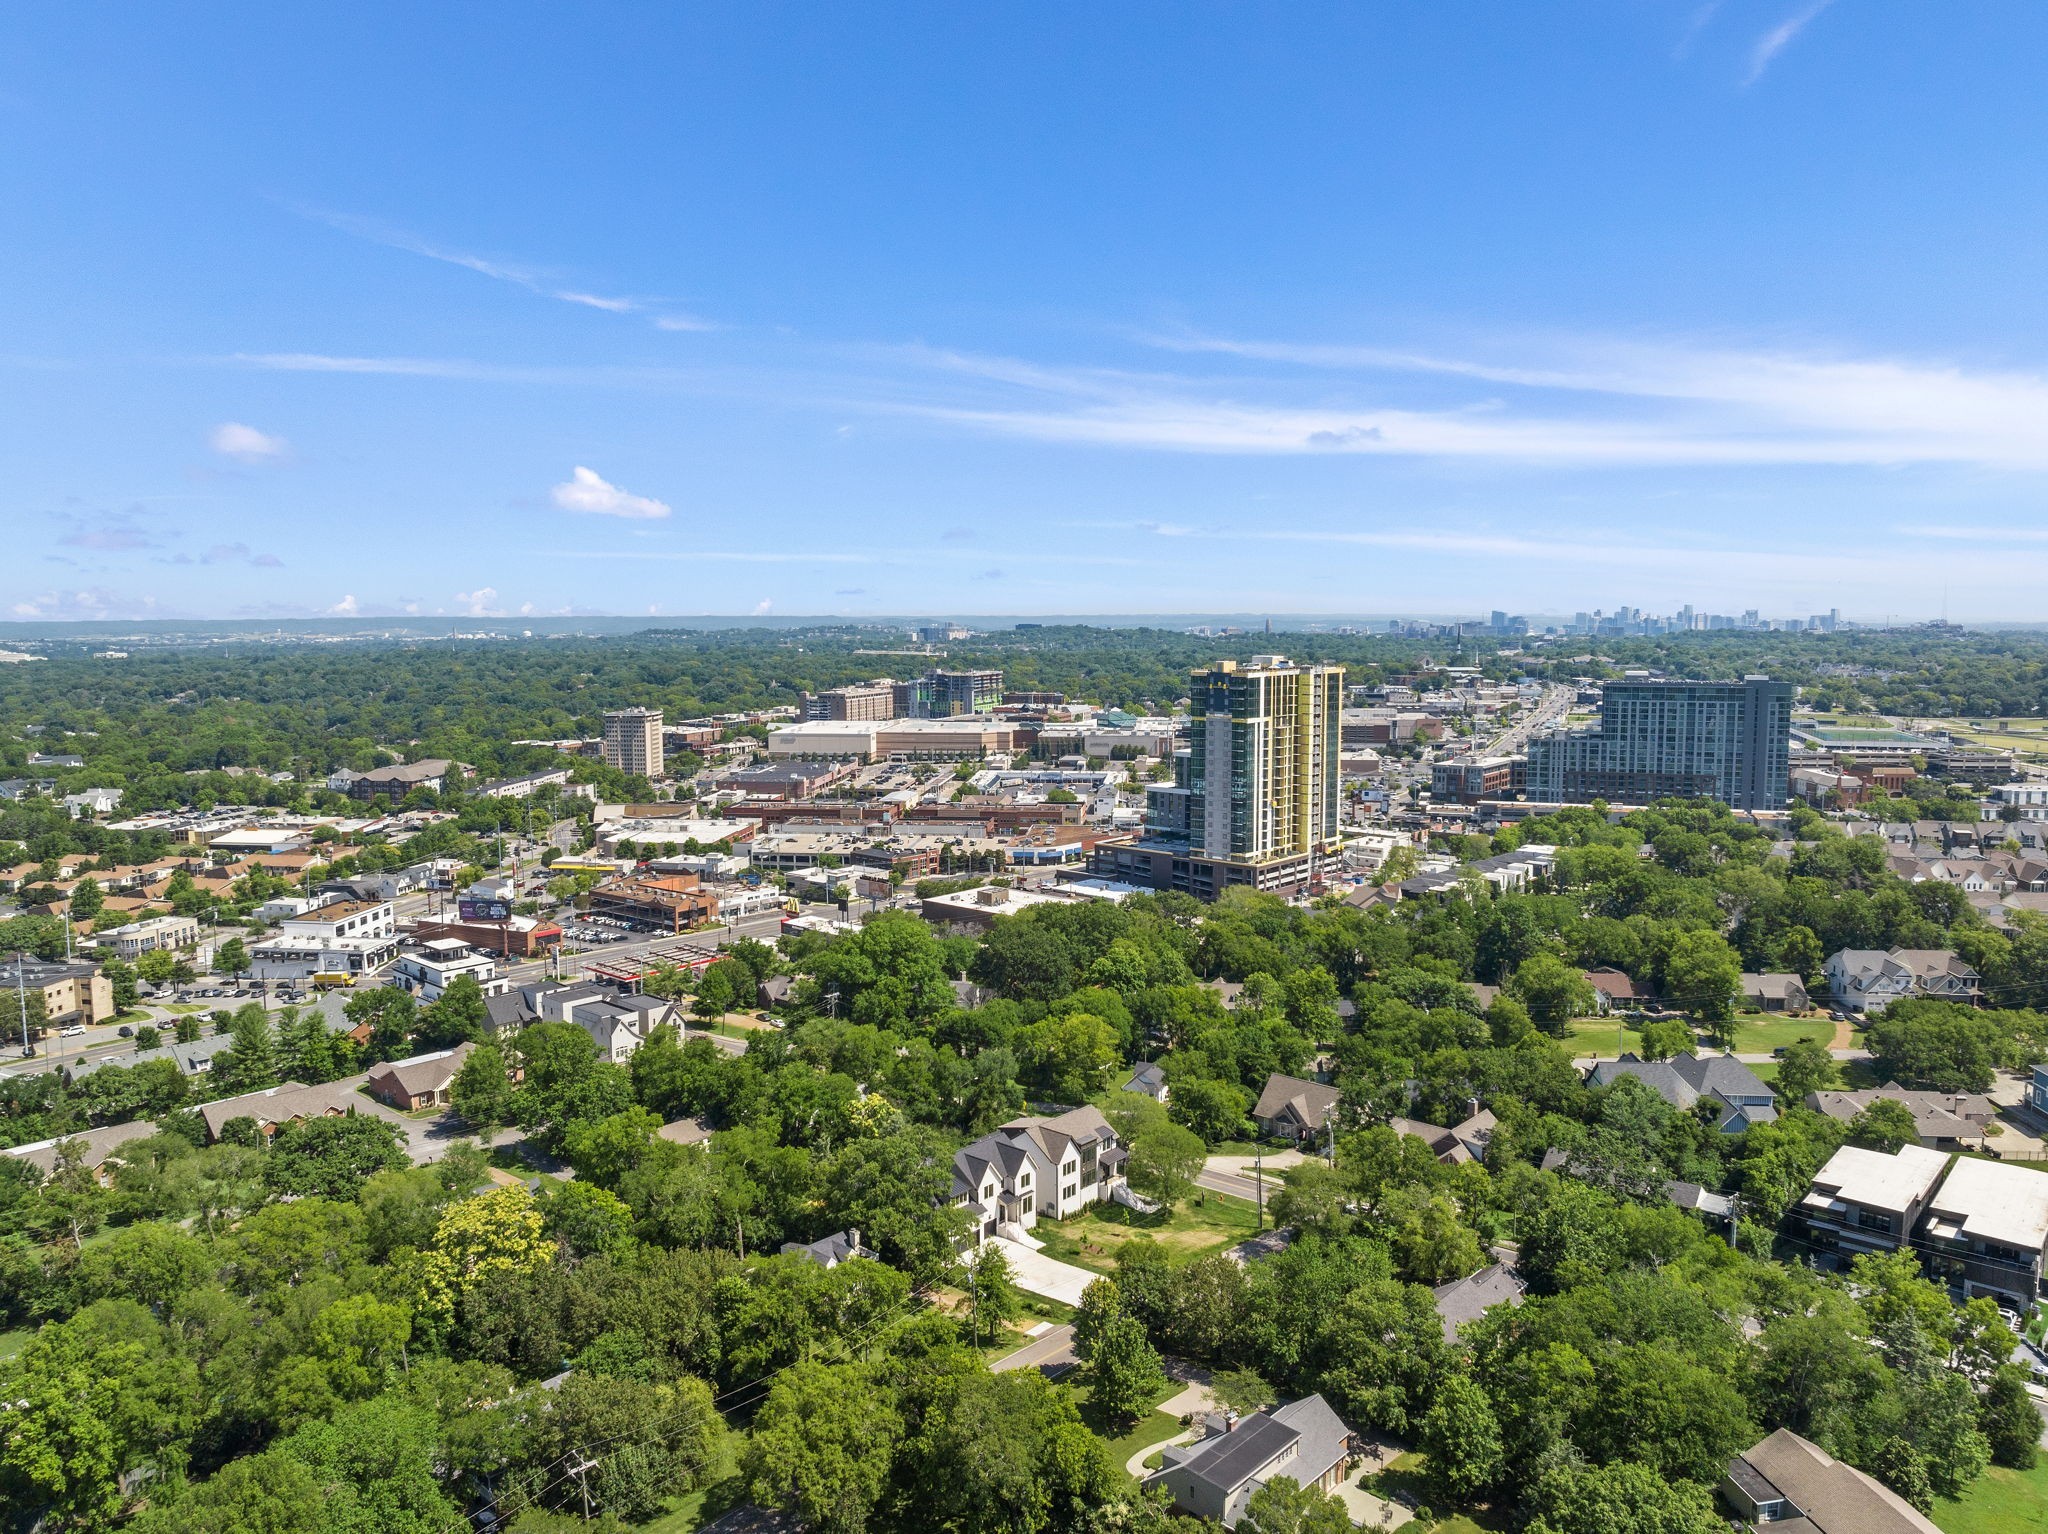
[
  {"x": 1759, "y": 1032},
  {"x": 1092, "y": 1239},
  {"x": 1150, "y": 1428},
  {"x": 1755, "y": 1033},
  {"x": 2002, "y": 1502}
]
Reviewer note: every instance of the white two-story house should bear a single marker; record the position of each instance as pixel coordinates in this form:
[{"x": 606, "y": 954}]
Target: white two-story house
[
  {"x": 1030, "y": 1167},
  {"x": 1863, "y": 978}
]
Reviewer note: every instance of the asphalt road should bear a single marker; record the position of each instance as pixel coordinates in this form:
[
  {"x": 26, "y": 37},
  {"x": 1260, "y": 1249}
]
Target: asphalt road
[{"x": 1053, "y": 1353}]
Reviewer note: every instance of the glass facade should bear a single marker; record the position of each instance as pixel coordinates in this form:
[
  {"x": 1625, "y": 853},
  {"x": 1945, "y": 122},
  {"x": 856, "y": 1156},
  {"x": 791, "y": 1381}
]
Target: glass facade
[{"x": 1730, "y": 741}]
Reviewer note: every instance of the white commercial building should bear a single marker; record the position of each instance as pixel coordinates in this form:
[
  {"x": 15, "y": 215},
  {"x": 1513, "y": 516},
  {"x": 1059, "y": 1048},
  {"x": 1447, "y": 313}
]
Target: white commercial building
[{"x": 439, "y": 962}]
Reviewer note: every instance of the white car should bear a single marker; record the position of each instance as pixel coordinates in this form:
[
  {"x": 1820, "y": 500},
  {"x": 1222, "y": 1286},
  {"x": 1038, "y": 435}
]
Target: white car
[{"x": 76, "y": 1030}]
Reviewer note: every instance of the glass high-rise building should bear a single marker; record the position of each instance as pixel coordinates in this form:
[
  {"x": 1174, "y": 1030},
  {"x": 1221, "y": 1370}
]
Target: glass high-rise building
[
  {"x": 1730, "y": 741},
  {"x": 1255, "y": 796}
]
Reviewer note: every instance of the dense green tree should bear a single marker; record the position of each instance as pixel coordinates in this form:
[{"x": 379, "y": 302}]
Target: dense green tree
[
  {"x": 1884, "y": 1126},
  {"x": 482, "y": 1091},
  {"x": 2012, "y": 1424},
  {"x": 1282, "y": 1505},
  {"x": 1806, "y": 1067},
  {"x": 333, "y": 1156},
  {"x": 1460, "y": 1439},
  {"x": 821, "y": 1447},
  {"x": 1164, "y": 1162}
]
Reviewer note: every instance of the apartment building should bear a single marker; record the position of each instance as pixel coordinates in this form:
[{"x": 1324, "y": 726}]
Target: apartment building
[
  {"x": 1467, "y": 779},
  {"x": 860, "y": 701},
  {"x": 633, "y": 741},
  {"x": 1863, "y": 1201},
  {"x": 1255, "y": 796},
  {"x": 397, "y": 780},
  {"x": 1863, "y": 978},
  {"x": 72, "y": 993},
  {"x": 1986, "y": 1230},
  {"x": 1657, "y": 739}
]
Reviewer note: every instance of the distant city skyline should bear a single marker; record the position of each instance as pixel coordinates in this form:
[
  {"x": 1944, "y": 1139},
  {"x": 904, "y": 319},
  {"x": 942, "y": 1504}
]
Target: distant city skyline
[{"x": 1303, "y": 310}]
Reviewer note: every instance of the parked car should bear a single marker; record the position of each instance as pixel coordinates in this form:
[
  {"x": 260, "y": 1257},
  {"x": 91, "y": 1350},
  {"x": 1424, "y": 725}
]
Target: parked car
[
  {"x": 75, "y": 1031},
  {"x": 125, "y": 1031}
]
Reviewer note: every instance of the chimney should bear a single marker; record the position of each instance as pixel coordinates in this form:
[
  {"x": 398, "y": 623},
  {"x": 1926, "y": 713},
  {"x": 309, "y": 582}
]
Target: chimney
[{"x": 853, "y": 1239}]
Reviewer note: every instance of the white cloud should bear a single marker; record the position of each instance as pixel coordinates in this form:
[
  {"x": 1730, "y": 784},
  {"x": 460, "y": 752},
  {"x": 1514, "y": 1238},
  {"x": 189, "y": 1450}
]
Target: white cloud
[
  {"x": 532, "y": 279},
  {"x": 587, "y": 491},
  {"x": 682, "y": 322},
  {"x": 763, "y": 607},
  {"x": 1775, "y": 41},
  {"x": 480, "y": 603},
  {"x": 1585, "y": 403},
  {"x": 245, "y": 444},
  {"x": 346, "y": 607},
  {"x": 597, "y": 301}
]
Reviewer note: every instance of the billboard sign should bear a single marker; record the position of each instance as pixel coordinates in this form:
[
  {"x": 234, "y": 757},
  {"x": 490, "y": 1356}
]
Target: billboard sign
[{"x": 482, "y": 908}]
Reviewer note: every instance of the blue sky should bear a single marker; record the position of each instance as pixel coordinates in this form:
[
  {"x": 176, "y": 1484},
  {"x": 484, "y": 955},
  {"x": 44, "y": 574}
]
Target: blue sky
[{"x": 1051, "y": 308}]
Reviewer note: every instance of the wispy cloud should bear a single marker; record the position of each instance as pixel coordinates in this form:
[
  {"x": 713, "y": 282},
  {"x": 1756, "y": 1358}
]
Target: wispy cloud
[
  {"x": 109, "y": 540},
  {"x": 533, "y": 279},
  {"x": 588, "y": 492},
  {"x": 245, "y": 444},
  {"x": 717, "y": 556},
  {"x": 87, "y": 602},
  {"x": 1977, "y": 534},
  {"x": 466, "y": 370},
  {"x": 1578, "y": 403},
  {"x": 1778, "y": 38}
]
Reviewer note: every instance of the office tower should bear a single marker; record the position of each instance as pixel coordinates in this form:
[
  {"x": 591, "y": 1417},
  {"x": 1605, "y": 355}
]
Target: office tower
[
  {"x": 632, "y": 740},
  {"x": 860, "y": 701},
  {"x": 1730, "y": 741},
  {"x": 964, "y": 692}
]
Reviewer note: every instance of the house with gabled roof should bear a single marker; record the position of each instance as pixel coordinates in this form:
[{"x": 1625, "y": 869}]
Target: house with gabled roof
[
  {"x": 1030, "y": 1167},
  {"x": 1741, "y": 1097},
  {"x": 1214, "y": 1477},
  {"x": 1787, "y": 1483},
  {"x": 1464, "y": 1300},
  {"x": 1294, "y": 1109}
]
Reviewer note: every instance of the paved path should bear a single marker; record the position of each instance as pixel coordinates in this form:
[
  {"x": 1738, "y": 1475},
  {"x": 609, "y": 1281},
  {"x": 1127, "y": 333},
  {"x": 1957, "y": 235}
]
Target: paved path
[
  {"x": 1053, "y": 1352},
  {"x": 1039, "y": 1274},
  {"x": 1134, "y": 1467}
]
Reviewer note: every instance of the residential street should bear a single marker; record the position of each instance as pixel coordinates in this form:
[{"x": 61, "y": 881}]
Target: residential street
[{"x": 1052, "y": 1352}]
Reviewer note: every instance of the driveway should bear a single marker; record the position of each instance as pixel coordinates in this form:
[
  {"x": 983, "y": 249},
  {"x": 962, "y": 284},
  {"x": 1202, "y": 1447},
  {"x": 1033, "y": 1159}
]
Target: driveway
[{"x": 1045, "y": 1276}]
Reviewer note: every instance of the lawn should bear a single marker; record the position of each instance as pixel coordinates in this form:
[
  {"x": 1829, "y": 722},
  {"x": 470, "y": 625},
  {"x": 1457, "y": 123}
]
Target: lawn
[
  {"x": 1759, "y": 1032},
  {"x": 1153, "y": 1427},
  {"x": 1093, "y": 1238},
  {"x": 1404, "y": 1474},
  {"x": 2001, "y": 1502},
  {"x": 1756, "y": 1033},
  {"x": 13, "y": 1342}
]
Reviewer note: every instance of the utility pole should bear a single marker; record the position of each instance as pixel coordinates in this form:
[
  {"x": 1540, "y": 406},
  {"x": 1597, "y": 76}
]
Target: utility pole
[
  {"x": 1259, "y": 1181},
  {"x": 581, "y": 1469}
]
